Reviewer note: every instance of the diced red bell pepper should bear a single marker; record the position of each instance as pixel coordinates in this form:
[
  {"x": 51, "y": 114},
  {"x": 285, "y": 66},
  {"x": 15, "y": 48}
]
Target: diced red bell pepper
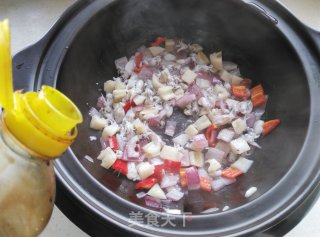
[
  {"x": 128, "y": 105},
  {"x": 121, "y": 166},
  {"x": 138, "y": 59},
  {"x": 231, "y": 173},
  {"x": 147, "y": 183},
  {"x": 268, "y": 126},
  {"x": 172, "y": 166},
  {"x": 113, "y": 143},
  {"x": 158, "y": 172},
  {"x": 257, "y": 96},
  {"x": 211, "y": 135},
  {"x": 159, "y": 40},
  {"x": 183, "y": 177},
  {"x": 239, "y": 91},
  {"x": 205, "y": 184}
]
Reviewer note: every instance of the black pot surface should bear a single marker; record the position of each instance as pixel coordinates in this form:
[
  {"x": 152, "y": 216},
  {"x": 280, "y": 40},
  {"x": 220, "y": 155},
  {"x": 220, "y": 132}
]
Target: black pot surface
[{"x": 270, "y": 46}]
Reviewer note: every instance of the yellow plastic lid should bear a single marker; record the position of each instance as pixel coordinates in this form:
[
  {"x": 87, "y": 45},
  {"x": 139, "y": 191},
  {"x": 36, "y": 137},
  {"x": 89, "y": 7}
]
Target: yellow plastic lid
[{"x": 43, "y": 122}]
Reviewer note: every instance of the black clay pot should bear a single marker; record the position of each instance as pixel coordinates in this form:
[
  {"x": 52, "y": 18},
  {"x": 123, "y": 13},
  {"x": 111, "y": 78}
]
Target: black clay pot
[{"x": 270, "y": 46}]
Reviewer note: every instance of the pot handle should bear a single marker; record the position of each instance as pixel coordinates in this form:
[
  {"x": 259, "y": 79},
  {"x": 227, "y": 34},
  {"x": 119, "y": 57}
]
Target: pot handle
[
  {"x": 316, "y": 37},
  {"x": 25, "y": 64}
]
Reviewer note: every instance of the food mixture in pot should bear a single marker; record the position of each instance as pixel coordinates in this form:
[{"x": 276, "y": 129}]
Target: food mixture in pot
[{"x": 175, "y": 120}]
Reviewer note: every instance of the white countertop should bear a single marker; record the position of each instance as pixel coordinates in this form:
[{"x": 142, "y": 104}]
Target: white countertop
[{"x": 31, "y": 19}]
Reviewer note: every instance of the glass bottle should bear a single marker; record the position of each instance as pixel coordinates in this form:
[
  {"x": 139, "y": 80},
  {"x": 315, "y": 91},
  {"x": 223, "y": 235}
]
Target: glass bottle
[{"x": 35, "y": 128}]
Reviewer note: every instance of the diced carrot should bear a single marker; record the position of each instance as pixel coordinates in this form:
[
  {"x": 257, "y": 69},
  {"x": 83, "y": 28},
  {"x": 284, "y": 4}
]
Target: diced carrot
[
  {"x": 257, "y": 89},
  {"x": 268, "y": 126},
  {"x": 257, "y": 96},
  {"x": 211, "y": 135},
  {"x": 205, "y": 184},
  {"x": 158, "y": 41},
  {"x": 183, "y": 177},
  {"x": 239, "y": 91},
  {"x": 231, "y": 173}
]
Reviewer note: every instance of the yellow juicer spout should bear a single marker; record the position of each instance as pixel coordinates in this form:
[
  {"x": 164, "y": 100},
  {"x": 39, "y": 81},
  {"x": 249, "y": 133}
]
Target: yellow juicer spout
[{"x": 43, "y": 122}]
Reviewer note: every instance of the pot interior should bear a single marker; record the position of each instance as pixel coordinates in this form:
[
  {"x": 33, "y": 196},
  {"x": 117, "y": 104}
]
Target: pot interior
[{"x": 245, "y": 37}]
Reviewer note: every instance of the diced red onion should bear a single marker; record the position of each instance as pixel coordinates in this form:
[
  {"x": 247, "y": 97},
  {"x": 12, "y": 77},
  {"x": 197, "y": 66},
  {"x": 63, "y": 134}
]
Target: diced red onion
[
  {"x": 181, "y": 54},
  {"x": 251, "y": 120},
  {"x": 260, "y": 110},
  {"x": 244, "y": 107},
  {"x": 141, "y": 195},
  {"x": 92, "y": 138},
  {"x": 126, "y": 157},
  {"x": 199, "y": 142},
  {"x": 207, "y": 75},
  {"x": 210, "y": 210},
  {"x": 170, "y": 128},
  {"x": 253, "y": 144},
  {"x": 175, "y": 195},
  {"x": 226, "y": 135},
  {"x": 152, "y": 202},
  {"x": 191, "y": 64},
  {"x": 196, "y": 90},
  {"x": 185, "y": 161},
  {"x": 223, "y": 119},
  {"x": 221, "y": 182},
  {"x": 214, "y": 153},
  {"x": 155, "y": 121},
  {"x": 137, "y": 108},
  {"x": 101, "y": 102},
  {"x": 216, "y": 79},
  {"x": 193, "y": 179},
  {"x": 220, "y": 104},
  {"x": 203, "y": 173},
  {"x": 104, "y": 144},
  {"x": 88, "y": 158},
  {"x": 133, "y": 147},
  {"x": 185, "y": 100},
  {"x": 121, "y": 63},
  {"x": 121, "y": 141},
  {"x": 166, "y": 202},
  {"x": 146, "y": 73},
  {"x": 169, "y": 180},
  {"x": 143, "y": 142},
  {"x": 94, "y": 112}
]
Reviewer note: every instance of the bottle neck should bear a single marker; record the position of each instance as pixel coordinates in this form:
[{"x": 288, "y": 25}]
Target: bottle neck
[{"x": 12, "y": 143}]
